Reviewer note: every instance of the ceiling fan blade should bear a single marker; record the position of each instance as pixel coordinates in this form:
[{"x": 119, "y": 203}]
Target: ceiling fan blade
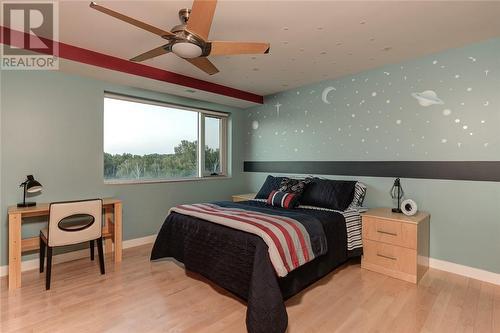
[
  {"x": 151, "y": 53},
  {"x": 130, "y": 20},
  {"x": 200, "y": 19},
  {"x": 232, "y": 48},
  {"x": 204, "y": 64}
]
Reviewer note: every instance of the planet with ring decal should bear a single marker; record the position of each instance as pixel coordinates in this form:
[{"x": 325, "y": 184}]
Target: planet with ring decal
[{"x": 427, "y": 98}]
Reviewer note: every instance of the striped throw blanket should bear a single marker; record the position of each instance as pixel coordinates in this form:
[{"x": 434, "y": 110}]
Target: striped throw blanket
[{"x": 293, "y": 239}]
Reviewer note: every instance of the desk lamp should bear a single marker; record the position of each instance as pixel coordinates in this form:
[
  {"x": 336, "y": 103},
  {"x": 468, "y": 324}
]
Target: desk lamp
[
  {"x": 31, "y": 186},
  {"x": 397, "y": 193}
]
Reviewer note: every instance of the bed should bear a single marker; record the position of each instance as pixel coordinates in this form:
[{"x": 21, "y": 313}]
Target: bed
[{"x": 239, "y": 261}]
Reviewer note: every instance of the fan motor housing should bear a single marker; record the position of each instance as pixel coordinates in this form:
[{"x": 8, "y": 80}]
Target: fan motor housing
[{"x": 183, "y": 35}]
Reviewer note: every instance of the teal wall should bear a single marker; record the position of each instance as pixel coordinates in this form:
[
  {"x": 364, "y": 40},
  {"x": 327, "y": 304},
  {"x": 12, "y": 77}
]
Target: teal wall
[
  {"x": 52, "y": 125},
  {"x": 442, "y": 107}
]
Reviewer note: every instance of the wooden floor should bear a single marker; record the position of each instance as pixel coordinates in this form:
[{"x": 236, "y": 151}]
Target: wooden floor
[{"x": 140, "y": 296}]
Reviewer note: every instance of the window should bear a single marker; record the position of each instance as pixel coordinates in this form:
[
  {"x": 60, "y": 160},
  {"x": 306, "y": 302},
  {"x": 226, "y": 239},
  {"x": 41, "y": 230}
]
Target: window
[
  {"x": 213, "y": 133},
  {"x": 150, "y": 141}
]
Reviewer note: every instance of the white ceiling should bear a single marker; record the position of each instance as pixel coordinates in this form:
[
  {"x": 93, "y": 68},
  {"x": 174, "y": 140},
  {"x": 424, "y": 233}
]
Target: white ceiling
[
  {"x": 310, "y": 41},
  {"x": 129, "y": 80}
]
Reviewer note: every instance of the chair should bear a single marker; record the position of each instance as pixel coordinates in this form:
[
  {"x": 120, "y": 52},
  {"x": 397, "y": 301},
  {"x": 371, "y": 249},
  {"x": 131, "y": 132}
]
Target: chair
[{"x": 70, "y": 223}]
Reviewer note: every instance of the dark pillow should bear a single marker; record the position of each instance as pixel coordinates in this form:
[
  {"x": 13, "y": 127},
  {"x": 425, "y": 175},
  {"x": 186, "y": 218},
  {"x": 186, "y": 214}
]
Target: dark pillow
[
  {"x": 295, "y": 186},
  {"x": 283, "y": 199},
  {"x": 327, "y": 193},
  {"x": 271, "y": 184}
]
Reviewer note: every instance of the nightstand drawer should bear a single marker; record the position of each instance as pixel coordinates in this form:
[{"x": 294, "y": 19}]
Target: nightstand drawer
[
  {"x": 390, "y": 232},
  {"x": 389, "y": 259}
]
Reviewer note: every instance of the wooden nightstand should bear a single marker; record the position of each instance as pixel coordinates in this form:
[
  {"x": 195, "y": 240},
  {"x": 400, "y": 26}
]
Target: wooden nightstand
[
  {"x": 244, "y": 197},
  {"x": 395, "y": 244}
]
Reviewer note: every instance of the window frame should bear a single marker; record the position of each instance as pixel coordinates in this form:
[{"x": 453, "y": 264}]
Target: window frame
[
  {"x": 202, "y": 114},
  {"x": 222, "y": 144}
]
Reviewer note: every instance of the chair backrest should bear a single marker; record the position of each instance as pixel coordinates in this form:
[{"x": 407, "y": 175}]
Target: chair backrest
[{"x": 74, "y": 222}]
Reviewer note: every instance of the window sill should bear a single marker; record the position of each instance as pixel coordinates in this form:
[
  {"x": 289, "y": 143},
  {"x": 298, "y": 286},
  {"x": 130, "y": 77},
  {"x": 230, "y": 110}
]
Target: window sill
[{"x": 155, "y": 181}]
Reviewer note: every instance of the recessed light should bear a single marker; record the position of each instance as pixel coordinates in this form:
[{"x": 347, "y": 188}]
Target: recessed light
[
  {"x": 339, "y": 43},
  {"x": 350, "y": 53},
  {"x": 255, "y": 69},
  {"x": 388, "y": 48},
  {"x": 285, "y": 28},
  {"x": 284, "y": 85},
  {"x": 372, "y": 39},
  {"x": 319, "y": 28},
  {"x": 301, "y": 49},
  {"x": 323, "y": 52},
  {"x": 285, "y": 42},
  {"x": 362, "y": 22},
  {"x": 253, "y": 58}
]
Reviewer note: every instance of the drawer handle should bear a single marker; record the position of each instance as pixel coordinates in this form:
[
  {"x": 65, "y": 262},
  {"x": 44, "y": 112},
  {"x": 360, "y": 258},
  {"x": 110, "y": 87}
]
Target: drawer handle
[
  {"x": 387, "y": 232},
  {"x": 386, "y": 257}
]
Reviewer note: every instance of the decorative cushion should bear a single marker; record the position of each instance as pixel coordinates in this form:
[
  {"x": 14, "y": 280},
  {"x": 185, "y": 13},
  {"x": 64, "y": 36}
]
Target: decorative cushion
[
  {"x": 359, "y": 195},
  {"x": 283, "y": 199},
  {"x": 327, "y": 193},
  {"x": 271, "y": 184},
  {"x": 295, "y": 186}
]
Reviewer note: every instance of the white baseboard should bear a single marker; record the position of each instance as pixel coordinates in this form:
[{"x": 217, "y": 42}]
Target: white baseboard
[
  {"x": 139, "y": 241},
  {"x": 74, "y": 255},
  {"x": 471, "y": 272}
]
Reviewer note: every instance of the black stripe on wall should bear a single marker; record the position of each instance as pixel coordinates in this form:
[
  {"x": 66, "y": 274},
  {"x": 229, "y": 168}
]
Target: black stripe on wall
[{"x": 453, "y": 170}]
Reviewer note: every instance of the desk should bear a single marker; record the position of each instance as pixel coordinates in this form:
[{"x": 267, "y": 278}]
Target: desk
[{"x": 111, "y": 232}]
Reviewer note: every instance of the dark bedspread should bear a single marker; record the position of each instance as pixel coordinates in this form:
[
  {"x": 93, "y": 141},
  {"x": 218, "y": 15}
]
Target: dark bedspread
[{"x": 239, "y": 262}]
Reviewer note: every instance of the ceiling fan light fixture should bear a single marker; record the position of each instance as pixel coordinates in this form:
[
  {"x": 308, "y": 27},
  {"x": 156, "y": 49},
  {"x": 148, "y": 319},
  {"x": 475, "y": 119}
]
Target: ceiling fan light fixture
[
  {"x": 189, "y": 39},
  {"x": 187, "y": 50}
]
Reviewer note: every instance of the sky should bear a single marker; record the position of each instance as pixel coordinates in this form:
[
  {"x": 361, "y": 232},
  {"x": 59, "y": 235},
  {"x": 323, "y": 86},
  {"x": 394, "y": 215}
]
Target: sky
[{"x": 136, "y": 128}]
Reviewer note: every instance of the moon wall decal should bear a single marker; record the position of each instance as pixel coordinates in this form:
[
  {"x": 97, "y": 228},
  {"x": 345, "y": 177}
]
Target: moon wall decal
[{"x": 324, "y": 95}]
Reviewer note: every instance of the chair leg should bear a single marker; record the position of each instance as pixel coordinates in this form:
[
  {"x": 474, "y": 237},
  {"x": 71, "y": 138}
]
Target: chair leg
[
  {"x": 101, "y": 254},
  {"x": 49, "y": 267},
  {"x": 92, "y": 250},
  {"x": 42, "y": 254}
]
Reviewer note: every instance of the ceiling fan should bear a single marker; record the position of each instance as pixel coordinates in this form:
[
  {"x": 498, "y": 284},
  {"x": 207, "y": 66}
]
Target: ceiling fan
[{"x": 189, "y": 40}]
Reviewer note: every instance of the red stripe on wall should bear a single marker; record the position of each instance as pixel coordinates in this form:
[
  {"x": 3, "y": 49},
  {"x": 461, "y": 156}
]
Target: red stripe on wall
[{"x": 89, "y": 57}]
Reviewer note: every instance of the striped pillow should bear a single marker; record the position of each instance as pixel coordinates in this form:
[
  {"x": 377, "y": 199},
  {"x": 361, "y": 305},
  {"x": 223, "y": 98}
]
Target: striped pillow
[
  {"x": 283, "y": 199},
  {"x": 359, "y": 195}
]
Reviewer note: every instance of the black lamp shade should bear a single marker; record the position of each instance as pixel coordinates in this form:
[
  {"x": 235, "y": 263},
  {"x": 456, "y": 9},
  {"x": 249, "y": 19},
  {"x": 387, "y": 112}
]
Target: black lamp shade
[{"x": 32, "y": 186}]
